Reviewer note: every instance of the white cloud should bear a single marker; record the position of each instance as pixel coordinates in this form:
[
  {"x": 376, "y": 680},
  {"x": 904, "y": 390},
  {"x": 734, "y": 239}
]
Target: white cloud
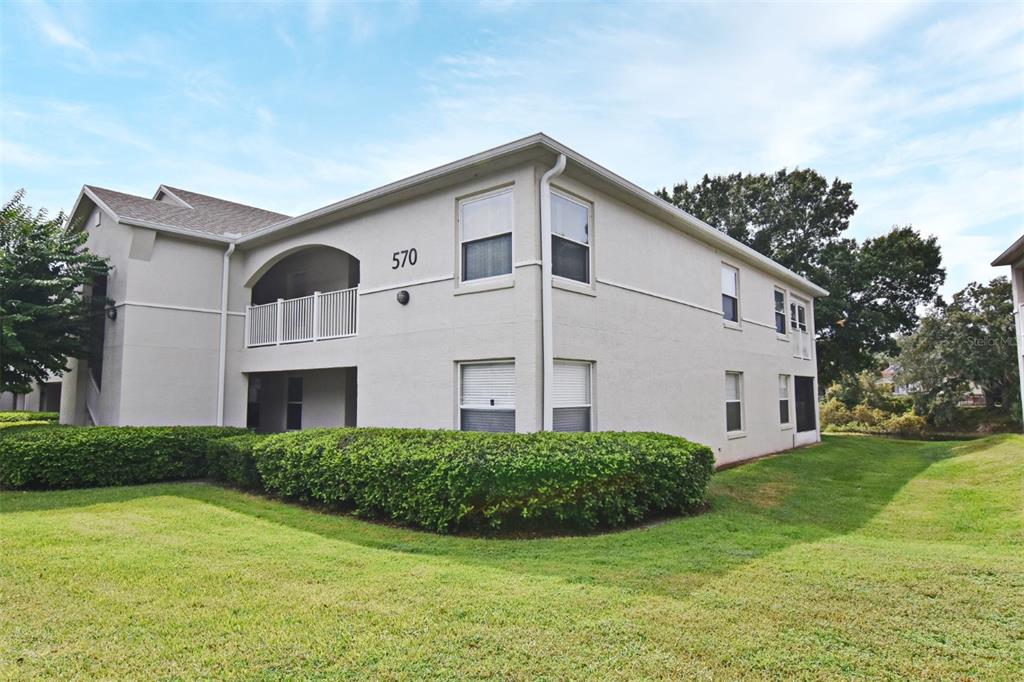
[{"x": 54, "y": 28}]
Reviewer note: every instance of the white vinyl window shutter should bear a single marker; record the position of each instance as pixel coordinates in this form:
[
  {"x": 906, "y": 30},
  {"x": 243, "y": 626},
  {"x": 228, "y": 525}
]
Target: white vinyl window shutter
[
  {"x": 491, "y": 384},
  {"x": 571, "y": 396},
  {"x": 487, "y": 398}
]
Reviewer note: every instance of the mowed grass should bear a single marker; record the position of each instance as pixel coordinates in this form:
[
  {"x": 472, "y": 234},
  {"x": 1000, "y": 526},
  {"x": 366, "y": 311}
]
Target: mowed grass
[{"x": 861, "y": 557}]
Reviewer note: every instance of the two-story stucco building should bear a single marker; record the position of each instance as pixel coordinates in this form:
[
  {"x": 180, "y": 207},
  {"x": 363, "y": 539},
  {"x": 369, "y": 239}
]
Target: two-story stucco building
[{"x": 522, "y": 288}]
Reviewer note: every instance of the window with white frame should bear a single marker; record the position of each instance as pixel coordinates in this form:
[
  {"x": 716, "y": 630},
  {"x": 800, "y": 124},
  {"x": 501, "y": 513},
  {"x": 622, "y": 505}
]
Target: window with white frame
[
  {"x": 780, "y": 311},
  {"x": 570, "y": 238},
  {"x": 784, "y": 399},
  {"x": 733, "y": 401},
  {"x": 485, "y": 235},
  {"x": 487, "y": 396},
  {"x": 730, "y": 293},
  {"x": 571, "y": 396}
]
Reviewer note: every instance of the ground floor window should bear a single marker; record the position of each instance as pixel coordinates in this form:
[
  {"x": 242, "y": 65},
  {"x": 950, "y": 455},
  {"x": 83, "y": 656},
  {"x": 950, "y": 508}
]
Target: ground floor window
[
  {"x": 293, "y": 414},
  {"x": 571, "y": 395},
  {"x": 784, "y": 399},
  {"x": 733, "y": 401},
  {"x": 487, "y": 396}
]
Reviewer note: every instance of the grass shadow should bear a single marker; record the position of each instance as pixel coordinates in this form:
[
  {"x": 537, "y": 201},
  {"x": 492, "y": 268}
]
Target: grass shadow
[{"x": 755, "y": 510}]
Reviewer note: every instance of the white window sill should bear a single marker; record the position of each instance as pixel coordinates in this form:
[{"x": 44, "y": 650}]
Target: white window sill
[
  {"x": 782, "y": 337},
  {"x": 729, "y": 324},
  {"x": 489, "y": 284},
  {"x": 733, "y": 435},
  {"x": 786, "y": 427},
  {"x": 573, "y": 286}
]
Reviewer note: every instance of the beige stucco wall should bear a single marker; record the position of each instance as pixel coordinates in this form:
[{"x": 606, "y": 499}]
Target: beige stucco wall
[
  {"x": 160, "y": 354},
  {"x": 407, "y": 355},
  {"x": 661, "y": 355}
]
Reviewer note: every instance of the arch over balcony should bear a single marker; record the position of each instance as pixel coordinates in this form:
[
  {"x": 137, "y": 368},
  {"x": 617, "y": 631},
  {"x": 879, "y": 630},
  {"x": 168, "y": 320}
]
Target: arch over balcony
[
  {"x": 301, "y": 271},
  {"x": 307, "y": 293}
]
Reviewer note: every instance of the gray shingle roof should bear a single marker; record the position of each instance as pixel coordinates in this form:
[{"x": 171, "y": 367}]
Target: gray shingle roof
[{"x": 208, "y": 214}]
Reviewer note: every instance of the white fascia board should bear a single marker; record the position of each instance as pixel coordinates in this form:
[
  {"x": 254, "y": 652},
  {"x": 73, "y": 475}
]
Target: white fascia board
[
  {"x": 179, "y": 231},
  {"x": 691, "y": 224},
  {"x": 160, "y": 227},
  {"x": 78, "y": 205},
  {"x": 395, "y": 187},
  {"x": 165, "y": 190},
  {"x": 1013, "y": 254}
]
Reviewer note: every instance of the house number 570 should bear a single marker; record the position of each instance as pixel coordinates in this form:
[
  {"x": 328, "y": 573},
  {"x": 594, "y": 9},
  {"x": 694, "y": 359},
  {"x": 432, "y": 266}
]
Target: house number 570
[{"x": 399, "y": 259}]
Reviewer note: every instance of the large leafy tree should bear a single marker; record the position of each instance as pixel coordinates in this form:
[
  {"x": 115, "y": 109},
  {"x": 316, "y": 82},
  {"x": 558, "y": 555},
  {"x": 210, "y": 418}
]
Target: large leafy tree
[
  {"x": 969, "y": 341},
  {"x": 798, "y": 218},
  {"x": 44, "y": 318}
]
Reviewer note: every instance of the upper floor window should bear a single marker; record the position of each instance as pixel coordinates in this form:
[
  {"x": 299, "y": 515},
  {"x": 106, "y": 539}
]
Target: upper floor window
[
  {"x": 730, "y": 293},
  {"x": 780, "y": 311},
  {"x": 485, "y": 235},
  {"x": 570, "y": 238}
]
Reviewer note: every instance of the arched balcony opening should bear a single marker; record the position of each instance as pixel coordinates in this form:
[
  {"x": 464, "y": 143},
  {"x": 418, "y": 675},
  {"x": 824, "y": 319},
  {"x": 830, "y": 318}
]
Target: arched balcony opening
[{"x": 309, "y": 294}]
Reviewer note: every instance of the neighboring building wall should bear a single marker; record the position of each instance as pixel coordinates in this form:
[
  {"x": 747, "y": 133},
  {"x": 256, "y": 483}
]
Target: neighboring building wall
[{"x": 1017, "y": 278}]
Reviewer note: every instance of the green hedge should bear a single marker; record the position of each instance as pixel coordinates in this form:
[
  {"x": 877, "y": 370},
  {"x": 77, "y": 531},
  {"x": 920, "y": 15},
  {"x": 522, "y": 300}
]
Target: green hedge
[
  {"x": 231, "y": 461},
  {"x": 105, "y": 455},
  {"x": 24, "y": 416},
  {"x": 449, "y": 480}
]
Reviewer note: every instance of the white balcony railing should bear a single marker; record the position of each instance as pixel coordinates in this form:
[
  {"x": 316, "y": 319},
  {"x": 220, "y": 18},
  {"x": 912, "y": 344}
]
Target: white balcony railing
[{"x": 329, "y": 315}]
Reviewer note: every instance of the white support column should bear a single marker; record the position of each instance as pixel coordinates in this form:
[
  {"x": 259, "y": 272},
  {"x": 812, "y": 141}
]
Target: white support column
[
  {"x": 280, "y": 320},
  {"x": 316, "y": 315}
]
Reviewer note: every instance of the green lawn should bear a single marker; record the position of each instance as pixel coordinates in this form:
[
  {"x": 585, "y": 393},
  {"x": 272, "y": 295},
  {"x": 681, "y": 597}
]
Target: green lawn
[{"x": 861, "y": 557}]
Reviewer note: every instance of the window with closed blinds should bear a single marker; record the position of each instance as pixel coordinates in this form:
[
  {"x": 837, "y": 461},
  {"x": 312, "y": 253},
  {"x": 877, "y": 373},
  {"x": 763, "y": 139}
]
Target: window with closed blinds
[
  {"x": 487, "y": 396},
  {"x": 571, "y": 396}
]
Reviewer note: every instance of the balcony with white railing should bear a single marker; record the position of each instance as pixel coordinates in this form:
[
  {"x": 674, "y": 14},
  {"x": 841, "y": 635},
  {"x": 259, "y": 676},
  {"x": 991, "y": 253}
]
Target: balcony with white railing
[{"x": 320, "y": 316}]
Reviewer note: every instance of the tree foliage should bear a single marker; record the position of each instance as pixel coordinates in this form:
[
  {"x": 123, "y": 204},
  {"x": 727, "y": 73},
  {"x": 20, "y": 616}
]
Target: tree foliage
[
  {"x": 798, "y": 219},
  {"x": 44, "y": 318},
  {"x": 969, "y": 341}
]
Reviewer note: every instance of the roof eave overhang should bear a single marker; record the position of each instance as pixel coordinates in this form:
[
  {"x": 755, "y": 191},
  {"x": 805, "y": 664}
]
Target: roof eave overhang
[
  {"x": 197, "y": 235},
  {"x": 539, "y": 146},
  {"x": 1012, "y": 255}
]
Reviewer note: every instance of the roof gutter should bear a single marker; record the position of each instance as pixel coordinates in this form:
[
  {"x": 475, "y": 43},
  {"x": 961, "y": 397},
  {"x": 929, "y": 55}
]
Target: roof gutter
[
  {"x": 223, "y": 350},
  {"x": 547, "y": 326}
]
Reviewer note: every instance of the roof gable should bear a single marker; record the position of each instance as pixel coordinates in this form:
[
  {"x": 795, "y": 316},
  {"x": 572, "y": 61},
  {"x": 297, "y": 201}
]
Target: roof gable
[{"x": 184, "y": 210}]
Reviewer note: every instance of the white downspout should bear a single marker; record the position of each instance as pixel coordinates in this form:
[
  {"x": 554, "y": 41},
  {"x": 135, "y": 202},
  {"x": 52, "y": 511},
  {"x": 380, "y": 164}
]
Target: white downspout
[
  {"x": 222, "y": 366},
  {"x": 547, "y": 328}
]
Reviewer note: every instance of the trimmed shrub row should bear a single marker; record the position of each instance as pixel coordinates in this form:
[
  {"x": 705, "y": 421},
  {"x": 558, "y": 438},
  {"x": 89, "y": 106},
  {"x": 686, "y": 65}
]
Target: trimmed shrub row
[
  {"x": 23, "y": 416},
  {"x": 105, "y": 455},
  {"x": 451, "y": 480},
  {"x": 440, "y": 480}
]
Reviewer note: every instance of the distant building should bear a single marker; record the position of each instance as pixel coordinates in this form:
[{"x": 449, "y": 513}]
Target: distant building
[{"x": 1014, "y": 257}]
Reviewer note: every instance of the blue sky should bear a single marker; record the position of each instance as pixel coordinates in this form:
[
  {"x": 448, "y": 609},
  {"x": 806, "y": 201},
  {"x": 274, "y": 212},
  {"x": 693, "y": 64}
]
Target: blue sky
[{"x": 290, "y": 106}]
